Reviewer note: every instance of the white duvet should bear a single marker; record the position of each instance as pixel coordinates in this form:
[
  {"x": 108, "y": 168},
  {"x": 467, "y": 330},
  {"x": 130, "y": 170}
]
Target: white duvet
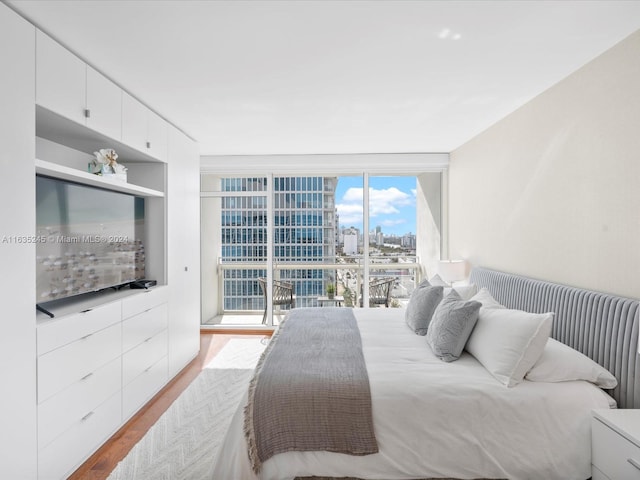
[{"x": 437, "y": 419}]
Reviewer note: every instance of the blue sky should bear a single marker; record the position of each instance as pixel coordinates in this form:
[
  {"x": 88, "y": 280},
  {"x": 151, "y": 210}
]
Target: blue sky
[{"x": 392, "y": 203}]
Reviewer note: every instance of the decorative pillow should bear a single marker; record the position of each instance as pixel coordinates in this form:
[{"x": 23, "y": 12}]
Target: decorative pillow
[
  {"x": 451, "y": 326},
  {"x": 486, "y": 299},
  {"x": 422, "y": 304},
  {"x": 561, "y": 363},
  {"x": 509, "y": 342}
]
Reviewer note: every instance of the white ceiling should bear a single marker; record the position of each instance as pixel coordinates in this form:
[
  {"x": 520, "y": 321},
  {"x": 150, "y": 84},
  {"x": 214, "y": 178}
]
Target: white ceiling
[{"x": 301, "y": 77}]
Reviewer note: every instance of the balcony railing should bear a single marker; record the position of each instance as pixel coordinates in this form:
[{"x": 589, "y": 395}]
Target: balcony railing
[{"x": 241, "y": 299}]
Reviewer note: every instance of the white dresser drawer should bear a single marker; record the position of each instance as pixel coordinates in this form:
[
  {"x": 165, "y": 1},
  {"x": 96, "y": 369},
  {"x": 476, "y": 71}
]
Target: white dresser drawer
[
  {"x": 139, "y": 328},
  {"x": 67, "y": 365},
  {"x": 136, "y": 361},
  {"x": 74, "y": 446},
  {"x": 142, "y": 388},
  {"x": 613, "y": 454},
  {"x": 60, "y": 412},
  {"x": 64, "y": 330},
  {"x": 597, "y": 474},
  {"x": 144, "y": 300}
]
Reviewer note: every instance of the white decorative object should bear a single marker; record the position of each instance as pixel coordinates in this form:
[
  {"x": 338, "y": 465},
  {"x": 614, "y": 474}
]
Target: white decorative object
[{"x": 106, "y": 165}]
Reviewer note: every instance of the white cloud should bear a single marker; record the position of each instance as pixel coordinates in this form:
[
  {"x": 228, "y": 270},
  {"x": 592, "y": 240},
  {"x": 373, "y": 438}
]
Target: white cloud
[
  {"x": 392, "y": 223},
  {"x": 381, "y": 202}
]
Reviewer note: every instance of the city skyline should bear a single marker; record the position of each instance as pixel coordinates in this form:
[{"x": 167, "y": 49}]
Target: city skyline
[{"x": 392, "y": 203}]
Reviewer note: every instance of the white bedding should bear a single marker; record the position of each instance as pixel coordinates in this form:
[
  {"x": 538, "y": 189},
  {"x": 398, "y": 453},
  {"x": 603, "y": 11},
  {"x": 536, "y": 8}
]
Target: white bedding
[{"x": 437, "y": 419}]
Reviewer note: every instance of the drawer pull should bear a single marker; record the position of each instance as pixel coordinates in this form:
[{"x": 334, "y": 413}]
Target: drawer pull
[
  {"x": 634, "y": 463},
  {"x": 87, "y": 416},
  {"x": 148, "y": 339},
  {"x": 87, "y": 376},
  {"x": 86, "y": 311},
  {"x": 86, "y": 336},
  {"x": 149, "y": 368}
]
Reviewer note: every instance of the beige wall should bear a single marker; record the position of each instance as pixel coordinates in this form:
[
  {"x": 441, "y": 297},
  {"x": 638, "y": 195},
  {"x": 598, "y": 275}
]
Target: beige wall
[{"x": 553, "y": 190}]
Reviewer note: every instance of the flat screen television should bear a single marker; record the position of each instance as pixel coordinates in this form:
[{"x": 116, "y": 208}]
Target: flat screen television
[{"x": 88, "y": 239}]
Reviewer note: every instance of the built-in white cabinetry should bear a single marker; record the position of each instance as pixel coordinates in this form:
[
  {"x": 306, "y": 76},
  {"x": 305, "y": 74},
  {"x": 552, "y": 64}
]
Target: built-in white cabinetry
[
  {"x": 61, "y": 79},
  {"x": 72, "y": 381},
  {"x": 79, "y": 386},
  {"x": 145, "y": 348},
  {"x": 96, "y": 368},
  {"x": 143, "y": 129},
  {"x": 66, "y": 86},
  {"x": 183, "y": 190},
  {"x": 69, "y": 87},
  {"x": 18, "y": 445},
  {"x": 104, "y": 105}
]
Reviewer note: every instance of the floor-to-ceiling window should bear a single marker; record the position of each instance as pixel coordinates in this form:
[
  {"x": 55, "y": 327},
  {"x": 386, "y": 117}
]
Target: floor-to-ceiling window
[{"x": 310, "y": 231}]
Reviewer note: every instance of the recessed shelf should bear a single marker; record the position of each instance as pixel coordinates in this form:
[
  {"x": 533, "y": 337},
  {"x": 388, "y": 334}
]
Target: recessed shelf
[{"x": 66, "y": 173}]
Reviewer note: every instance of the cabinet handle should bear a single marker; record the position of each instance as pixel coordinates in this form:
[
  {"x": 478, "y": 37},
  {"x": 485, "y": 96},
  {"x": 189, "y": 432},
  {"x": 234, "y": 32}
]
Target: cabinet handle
[
  {"x": 86, "y": 336},
  {"x": 147, "y": 369},
  {"x": 87, "y": 416},
  {"x": 148, "y": 339},
  {"x": 87, "y": 113},
  {"x": 86, "y": 311},
  {"x": 148, "y": 144},
  {"x": 634, "y": 463},
  {"x": 86, "y": 376}
]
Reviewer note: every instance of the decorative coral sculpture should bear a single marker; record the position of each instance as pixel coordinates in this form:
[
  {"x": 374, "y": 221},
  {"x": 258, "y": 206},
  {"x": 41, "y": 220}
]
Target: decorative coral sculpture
[{"x": 106, "y": 162}]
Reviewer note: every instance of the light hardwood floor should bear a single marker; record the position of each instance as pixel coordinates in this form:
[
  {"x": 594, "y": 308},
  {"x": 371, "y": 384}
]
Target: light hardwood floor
[{"x": 102, "y": 463}]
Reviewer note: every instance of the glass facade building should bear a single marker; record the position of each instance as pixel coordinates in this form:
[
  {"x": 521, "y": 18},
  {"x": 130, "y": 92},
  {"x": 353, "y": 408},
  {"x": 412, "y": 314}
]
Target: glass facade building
[{"x": 304, "y": 226}]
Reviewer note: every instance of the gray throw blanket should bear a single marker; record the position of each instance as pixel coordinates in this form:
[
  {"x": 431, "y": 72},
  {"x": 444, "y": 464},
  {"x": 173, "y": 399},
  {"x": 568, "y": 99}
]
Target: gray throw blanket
[{"x": 310, "y": 391}]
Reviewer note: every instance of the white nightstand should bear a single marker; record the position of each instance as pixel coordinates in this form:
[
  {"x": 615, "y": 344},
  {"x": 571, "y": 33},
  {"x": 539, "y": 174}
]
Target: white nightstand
[{"x": 615, "y": 444}]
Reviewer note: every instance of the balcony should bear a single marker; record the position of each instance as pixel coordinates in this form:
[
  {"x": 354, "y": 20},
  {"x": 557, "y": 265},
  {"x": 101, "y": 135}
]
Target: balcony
[{"x": 241, "y": 301}]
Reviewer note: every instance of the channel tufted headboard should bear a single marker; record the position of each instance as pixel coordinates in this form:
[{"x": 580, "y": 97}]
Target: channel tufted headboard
[{"x": 601, "y": 326}]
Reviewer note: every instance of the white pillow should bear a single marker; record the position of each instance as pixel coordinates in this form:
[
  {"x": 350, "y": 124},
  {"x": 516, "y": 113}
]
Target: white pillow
[
  {"x": 486, "y": 299},
  {"x": 561, "y": 363},
  {"x": 465, "y": 291},
  {"x": 437, "y": 281},
  {"x": 509, "y": 342}
]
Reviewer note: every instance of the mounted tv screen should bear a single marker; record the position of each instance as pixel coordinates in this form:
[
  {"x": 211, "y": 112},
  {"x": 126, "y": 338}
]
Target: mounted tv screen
[{"x": 87, "y": 239}]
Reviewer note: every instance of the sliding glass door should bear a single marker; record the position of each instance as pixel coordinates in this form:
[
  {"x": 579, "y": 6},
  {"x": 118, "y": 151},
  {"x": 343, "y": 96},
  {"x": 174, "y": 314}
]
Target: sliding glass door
[{"x": 331, "y": 239}]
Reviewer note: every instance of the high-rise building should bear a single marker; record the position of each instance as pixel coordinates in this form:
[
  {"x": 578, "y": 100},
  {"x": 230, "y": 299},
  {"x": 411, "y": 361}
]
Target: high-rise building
[
  {"x": 304, "y": 230},
  {"x": 350, "y": 241}
]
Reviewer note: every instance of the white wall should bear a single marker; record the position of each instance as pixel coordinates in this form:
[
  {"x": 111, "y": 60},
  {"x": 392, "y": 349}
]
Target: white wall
[
  {"x": 429, "y": 221},
  {"x": 552, "y": 191}
]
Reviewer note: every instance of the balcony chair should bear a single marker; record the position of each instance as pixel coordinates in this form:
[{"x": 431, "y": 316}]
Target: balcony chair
[
  {"x": 282, "y": 295},
  {"x": 379, "y": 292}
]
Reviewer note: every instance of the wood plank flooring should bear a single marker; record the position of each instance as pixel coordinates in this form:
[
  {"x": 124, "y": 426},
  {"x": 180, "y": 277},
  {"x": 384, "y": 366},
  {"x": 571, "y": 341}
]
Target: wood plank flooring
[{"x": 103, "y": 461}]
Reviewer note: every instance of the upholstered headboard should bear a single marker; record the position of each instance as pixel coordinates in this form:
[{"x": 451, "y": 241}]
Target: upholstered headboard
[{"x": 603, "y": 327}]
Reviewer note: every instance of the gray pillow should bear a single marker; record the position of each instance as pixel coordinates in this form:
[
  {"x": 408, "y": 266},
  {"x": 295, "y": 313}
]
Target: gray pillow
[
  {"x": 451, "y": 326},
  {"x": 422, "y": 304}
]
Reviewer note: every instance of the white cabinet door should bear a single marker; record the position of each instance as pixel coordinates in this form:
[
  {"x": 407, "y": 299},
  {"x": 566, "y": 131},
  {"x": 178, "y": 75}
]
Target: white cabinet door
[
  {"x": 134, "y": 122},
  {"x": 61, "y": 79},
  {"x": 143, "y": 129},
  {"x": 157, "y": 136},
  {"x": 183, "y": 250},
  {"x": 104, "y": 105}
]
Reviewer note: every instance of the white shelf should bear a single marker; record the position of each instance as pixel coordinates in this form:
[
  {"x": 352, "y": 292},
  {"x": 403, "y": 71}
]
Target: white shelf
[{"x": 65, "y": 173}]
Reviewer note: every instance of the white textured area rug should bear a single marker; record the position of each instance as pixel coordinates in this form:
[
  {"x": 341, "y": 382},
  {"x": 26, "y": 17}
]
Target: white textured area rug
[{"x": 182, "y": 444}]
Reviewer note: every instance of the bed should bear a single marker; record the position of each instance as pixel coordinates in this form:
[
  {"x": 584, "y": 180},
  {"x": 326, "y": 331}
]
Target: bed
[{"x": 435, "y": 419}]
